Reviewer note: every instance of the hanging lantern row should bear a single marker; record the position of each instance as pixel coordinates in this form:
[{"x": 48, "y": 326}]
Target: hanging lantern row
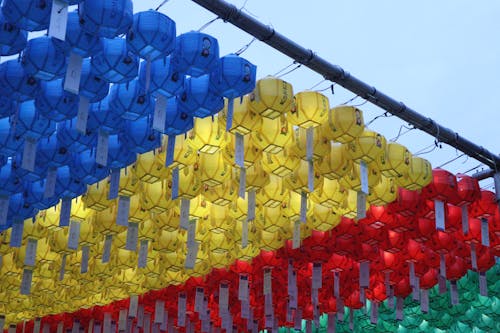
[
  {"x": 372, "y": 284},
  {"x": 97, "y": 261},
  {"x": 74, "y": 110}
]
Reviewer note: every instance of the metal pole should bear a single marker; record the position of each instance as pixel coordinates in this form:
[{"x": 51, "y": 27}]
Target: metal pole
[{"x": 334, "y": 73}]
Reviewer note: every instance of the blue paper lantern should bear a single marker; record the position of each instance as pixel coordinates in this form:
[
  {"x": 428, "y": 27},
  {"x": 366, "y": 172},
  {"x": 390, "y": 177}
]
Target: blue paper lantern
[
  {"x": 91, "y": 85},
  {"x": 115, "y": 64},
  {"x": 177, "y": 121},
  {"x": 84, "y": 167},
  {"x": 16, "y": 83},
  {"x": 152, "y": 35},
  {"x": 196, "y": 53},
  {"x": 67, "y": 186},
  {"x": 9, "y": 143},
  {"x": 102, "y": 117},
  {"x": 3, "y": 160},
  {"x": 119, "y": 156},
  {"x": 7, "y": 106},
  {"x": 78, "y": 40},
  {"x": 73, "y": 140},
  {"x": 42, "y": 59},
  {"x": 35, "y": 195},
  {"x": 234, "y": 77},
  {"x": 52, "y": 152},
  {"x": 31, "y": 124},
  {"x": 130, "y": 101},
  {"x": 54, "y": 103},
  {"x": 140, "y": 137},
  {"x": 12, "y": 39},
  {"x": 164, "y": 80},
  {"x": 39, "y": 172},
  {"x": 30, "y": 15},
  {"x": 19, "y": 209},
  {"x": 199, "y": 98},
  {"x": 106, "y": 18},
  {"x": 9, "y": 182}
]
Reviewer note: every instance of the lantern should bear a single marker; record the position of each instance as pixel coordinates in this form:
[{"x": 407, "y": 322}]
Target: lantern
[
  {"x": 16, "y": 83},
  {"x": 107, "y": 18},
  {"x": 272, "y": 97},
  {"x": 336, "y": 163},
  {"x": 73, "y": 140},
  {"x": 419, "y": 174},
  {"x": 199, "y": 99},
  {"x": 195, "y": 53},
  {"x": 115, "y": 64},
  {"x": 345, "y": 123},
  {"x": 54, "y": 103},
  {"x": 29, "y": 15},
  {"x": 130, "y": 101},
  {"x": 9, "y": 143},
  {"x": 395, "y": 161},
  {"x": 274, "y": 136},
  {"x": 12, "y": 39},
  {"x": 164, "y": 80},
  {"x": 84, "y": 167},
  {"x": 43, "y": 60},
  {"x": 207, "y": 136}
]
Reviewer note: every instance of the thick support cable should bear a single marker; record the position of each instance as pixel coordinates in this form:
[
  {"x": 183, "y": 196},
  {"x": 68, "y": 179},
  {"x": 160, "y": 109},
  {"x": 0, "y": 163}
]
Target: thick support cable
[{"x": 230, "y": 13}]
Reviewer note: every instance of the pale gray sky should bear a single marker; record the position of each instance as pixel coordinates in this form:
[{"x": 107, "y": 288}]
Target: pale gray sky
[{"x": 439, "y": 57}]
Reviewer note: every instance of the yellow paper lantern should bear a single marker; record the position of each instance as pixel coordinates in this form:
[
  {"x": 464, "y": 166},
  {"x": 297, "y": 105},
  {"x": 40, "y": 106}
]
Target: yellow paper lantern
[
  {"x": 168, "y": 220},
  {"x": 419, "y": 174},
  {"x": 281, "y": 164},
  {"x": 219, "y": 220},
  {"x": 220, "y": 242},
  {"x": 292, "y": 207},
  {"x": 222, "y": 194},
  {"x": 96, "y": 197},
  {"x": 184, "y": 153},
  {"x": 367, "y": 147},
  {"x": 274, "y": 193},
  {"x": 324, "y": 218},
  {"x": 320, "y": 144},
  {"x": 395, "y": 161},
  {"x": 275, "y": 135},
  {"x": 189, "y": 182},
  {"x": 298, "y": 180},
  {"x": 336, "y": 164},
  {"x": 213, "y": 169},
  {"x": 271, "y": 241},
  {"x": 245, "y": 120},
  {"x": 149, "y": 168},
  {"x": 353, "y": 179},
  {"x": 330, "y": 195},
  {"x": 271, "y": 219},
  {"x": 384, "y": 192},
  {"x": 271, "y": 97},
  {"x": 251, "y": 153},
  {"x": 256, "y": 177},
  {"x": 310, "y": 109},
  {"x": 169, "y": 241},
  {"x": 351, "y": 205},
  {"x": 207, "y": 135},
  {"x": 345, "y": 123},
  {"x": 157, "y": 197},
  {"x": 105, "y": 222}
]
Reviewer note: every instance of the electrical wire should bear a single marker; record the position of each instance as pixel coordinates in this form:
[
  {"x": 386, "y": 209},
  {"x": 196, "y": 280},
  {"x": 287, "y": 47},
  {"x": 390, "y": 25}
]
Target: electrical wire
[{"x": 245, "y": 47}]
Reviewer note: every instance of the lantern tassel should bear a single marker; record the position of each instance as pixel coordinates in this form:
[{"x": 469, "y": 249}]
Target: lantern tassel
[
  {"x": 65, "y": 212},
  {"x": 132, "y": 236},
  {"x": 26, "y": 281},
  {"x": 123, "y": 211},
  {"x": 83, "y": 115},
  {"x": 175, "y": 183},
  {"x": 16, "y": 235},
  {"x": 160, "y": 113},
  {"x": 73, "y": 73},
  {"x": 106, "y": 253},
  {"x": 114, "y": 184},
  {"x": 143, "y": 254},
  {"x": 170, "y": 150},
  {"x": 230, "y": 111},
  {"x": 50, "y": 183},
  {"x": 58, "y": 19},
  {"x": 84, "y": 266},
  {"x": 102, "y": 148},
  {"x": 29, "y": 154},
  {"x": 4, "y": 209}
]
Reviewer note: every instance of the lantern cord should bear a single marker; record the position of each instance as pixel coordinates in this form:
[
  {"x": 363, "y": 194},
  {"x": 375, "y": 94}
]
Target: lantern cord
[
  {"x": 474, "y": 168},
  {"x": 161, "y": 5},
  {"x": 203, "y": 27},
  {"x": 317, "y": 84},
  {"x": 385, "y": 115},
  {"x": 329, "y": 87},
  {"x": 361, "y": 104},
  {"x": 452, "y": 160},
  {"x": 350, "y": 100},
  {"x": 426, "y": 150},
  {"x": 244, "y": 48},
  {"x": 288, "y": 72},
  {"x": 400, "y": 134}
]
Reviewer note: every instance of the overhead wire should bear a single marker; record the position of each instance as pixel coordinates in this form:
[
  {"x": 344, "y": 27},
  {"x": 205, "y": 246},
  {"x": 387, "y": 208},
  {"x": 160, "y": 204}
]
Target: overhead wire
[{"x": 161, "y": 5}]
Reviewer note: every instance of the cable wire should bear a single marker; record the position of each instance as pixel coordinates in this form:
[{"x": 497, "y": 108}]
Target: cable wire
[
  {"x": 245, "y": 47},
  {"x": 400, "y": 134},
  {"x": 385, "y": 115},
  {"x": 161, "y": 5},
  {"x": 452, "y": 160},
  {"x": 203, "y": 27}
]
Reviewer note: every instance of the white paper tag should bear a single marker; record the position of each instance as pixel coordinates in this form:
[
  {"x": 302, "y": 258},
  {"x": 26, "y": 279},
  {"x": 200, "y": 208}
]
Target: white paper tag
[
  {"x": 163, "y": 326},
  {"x": 331, "y": 326},
  {"x": 483, "y": 284},
  {"x": 465, "y": 219},
  {"x": 97, "y": 327},
  {"x": 364, "y": 274},
  {"x": 83, "y": 115},
  {"x": 314, "y": 297},
  {"x": 65, "y": 212},
  {"x": 293, "y": 291},
  {"x": 159, "y": 311},
  {"x": 160, "y": 113},
  {"x": 30, "y": 256},
  {"x": 133, "y": 306},
  {"x": 102, "y": 148},
  {"x": 191, "y": 233},
  {"x": 363, "y": 174},
  {"x": 4, "y": 210},
  {"x": 244, "y": 233},
  {"x": 191, "y": 255},
  {"x": 84, "y": 267},
  {"x": 390, "y": 297},
  {"x": 140, "y": 316},
  {"x": 424, "y": 300},
  {"x": 310, "y": 176},
  {"x": 439, "y": 214},
  {"x": 62, "y": 270},
  {"x": 416, "y": 290},
  {"x": 106, "y": 253},
  {"x": 473, "y": 256},
  {"x": 114, "y": 184},
  {"x": 16, "y": 234},
  {"x": 29, "y": 154},
  {"x": 485, "y": 235},
  {"x": 340, "y": 309},
  {"x": 453, "y": 293},
  {"x": 26, "y": 281},
  {"x": 309, "y": 143},
  {"x": 58, "y": 19},
  {"x": 267, "y": 285},
  {"x": 336, "y": 285},
  {"x": 74, "y": 235},
  {"x": 442, "y": 265},
  {"x": 106, "y": 323},
  {"x": 46, "y": 328},
  {"x": 223, "y": 298},
  {"x": 360, "y": 206},
  {"x": 122, "y": 320},
  {"x": 296, "y": 235},
  {"x": 132, "y": 236},
  {"x": 242, "y": 183},
  {"x": 442, "y": 284},
  {"x": 76, "y": 326},
  {"x": 308, "y": 326},
  {"x": 411, "y": 268},
  {"x": 374, "y": 313},
  {"x": 50, "y": 183},
  {"x": 181, "y": 310},
  {"x": 198, "y": 299},
  {"x": 362, "y": 296},
  {"x": 251, "y": 206},
  {"x": 175, "y": 183},
  {"x": 2, "y": 322},
  {"x": 268, "y": 305},
  {"x": 239, "y": 154},
  {"x": 245, "y": 309},
  {"x": 73, "y": 76},
  {"x": 122, "y": 214},
  {"x": 143, "y": 253},
  {"x": 185, "y": 206},
  {"x": 243, "y": 288},
  {"x": 170, "y": 150},
  {"x": 303, "y": 207},
  {"x": 399, "y": 308},
  {"x": 36, "y": 325},
  {"x": 317, "y": 278},
  {"x": 298, "y": 319}
]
